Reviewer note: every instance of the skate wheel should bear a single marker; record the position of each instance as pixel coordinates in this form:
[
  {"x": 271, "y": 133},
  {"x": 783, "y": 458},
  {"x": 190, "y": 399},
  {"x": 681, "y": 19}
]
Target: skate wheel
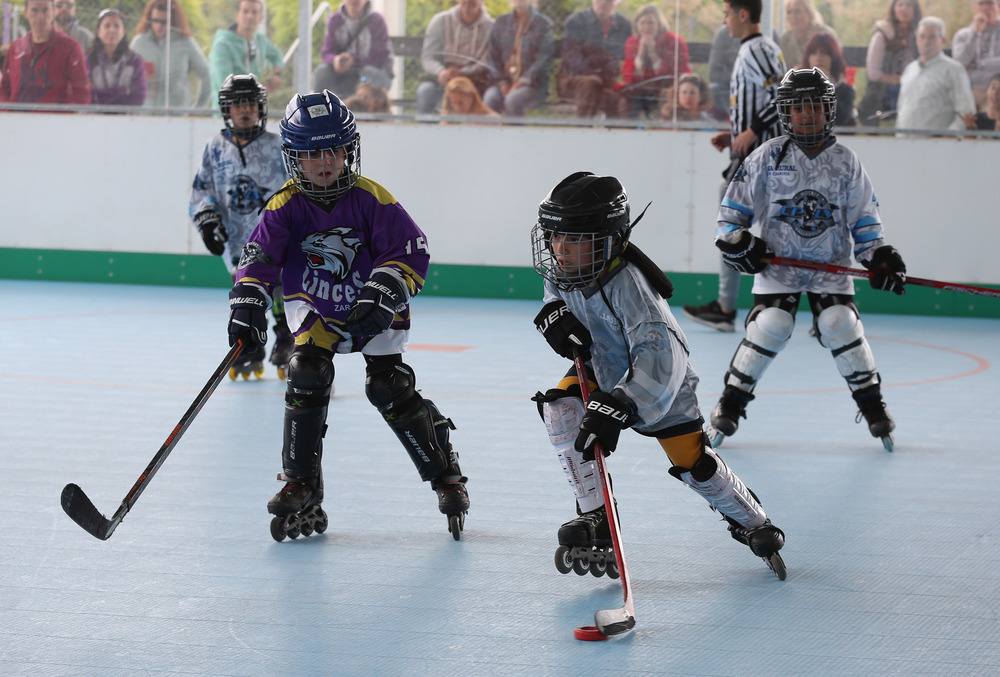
[
  {"x": 777, "y": 565},
  {"x": 598, "y": 569},
  {"x": 233, "y": 373},
  {"x": 888, "y": 443},
  {"x": 322, "y": 522},
  {"x": 281, "y": 373},
  {"x": 307, "y": 529},
  {"x": 613, "y": 569},
  {"x": 278, "y": 528},
  {"x": 580, "y": 567},
  {"x": 564, "y": 563},
  {"x": 588, "y": 633},
  {"x": 455, "y": 523},
  {"x": 258, "y": 370}
]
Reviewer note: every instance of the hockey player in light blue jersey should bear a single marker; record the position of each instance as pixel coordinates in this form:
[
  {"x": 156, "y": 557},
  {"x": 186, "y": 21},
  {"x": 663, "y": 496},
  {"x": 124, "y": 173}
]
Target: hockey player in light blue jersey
[
  {"x": 812, "y": 200},
  {"x": 605, "y": 298}
]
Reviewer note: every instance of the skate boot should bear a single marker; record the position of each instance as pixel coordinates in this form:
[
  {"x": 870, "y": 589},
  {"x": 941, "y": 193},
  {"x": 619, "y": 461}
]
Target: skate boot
[
  {"x": 453, "y": 501},
  {"x": 872, "y": 408},
  {"x": 284, "y": 342},
  {"x": 244, "y": 368},
  {"x": 764, "y": 541},
  {"x": 296, "y": 509},
  {"x": 585, "y": 545},
  {"x": 725, "y": 419}
]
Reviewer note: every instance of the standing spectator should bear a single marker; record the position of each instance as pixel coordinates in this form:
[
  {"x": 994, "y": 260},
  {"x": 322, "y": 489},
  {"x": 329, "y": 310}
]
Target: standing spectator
[
  {"x": 803, "y": 22},
  {"x": 117, "y": 75},
  {"x": 168, "y": 83},
  {"x": 357, "y": 48},
  {"x": 823, "y": 52},
  {"x": 456, "y": 43},
  {"x": 241, "y": 49},
  {"x": 893, "y": 45},
  {"x": 521, "y": 48},
  {"x": 654, "y": 57},
  {"x": 977, "y": 47},
  {"x": 67, "y": 23},
  {"x": 46, "y": 65},
  {"x": 989, "y": 119},
  {"x": 593, "y": 48},
  {"x": 753, "y": 119},
  {"x": 934, "y": 90}
]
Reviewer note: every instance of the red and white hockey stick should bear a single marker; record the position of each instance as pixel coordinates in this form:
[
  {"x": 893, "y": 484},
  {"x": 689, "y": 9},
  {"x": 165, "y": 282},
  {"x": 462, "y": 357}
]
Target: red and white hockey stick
[
  {"x": 609, "y": 621},
  {"x": 857, "y": 272}
]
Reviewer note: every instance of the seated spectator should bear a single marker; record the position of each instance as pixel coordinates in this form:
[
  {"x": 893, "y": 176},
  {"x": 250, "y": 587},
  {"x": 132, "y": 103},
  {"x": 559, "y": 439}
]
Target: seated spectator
[
  {"x": 67, "y": 23},
  {"x": 368, "y": 98},
  {"x": 117, "y": 76},
  {"x": 653, "y": 58},
  {"x": 462, "y": 98},
  {"x": 242, "y": 50},
  {"x": 893, "y": 45},
  {"x": 520, "y": 53},
  {"x": 823, "y": 52},
  {"x": 988, "y": 119},
  {"x": 154, "y": 40},
  {"x": 689, "y": 101},
  {"x": 803, "y": 21},
  {"x": 356, "y": 49},
  {"x": 593, "y": 48},
  {"x": 456, "y": 44},
  {"x": 45, "y": 65},
  {"x": 934, "y": 90},
  {"x": 977, "y": 47}
]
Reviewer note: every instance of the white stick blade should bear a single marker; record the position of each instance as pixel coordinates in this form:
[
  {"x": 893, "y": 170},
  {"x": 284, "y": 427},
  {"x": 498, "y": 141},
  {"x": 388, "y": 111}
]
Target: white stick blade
[{"x": 614, "y": 621}]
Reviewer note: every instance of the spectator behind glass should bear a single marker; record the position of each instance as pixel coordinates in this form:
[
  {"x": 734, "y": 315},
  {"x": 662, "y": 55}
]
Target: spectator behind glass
[
  {"x": 242, "y": 50},
  {"x": 893, "y": 45},
  {"x": 989, "y": 119},
  {"x": 45, "y": 65},
  {"x": 117, "y": 76},
  {"x": 520, "y": 52},
  {"x": 456, "y": 43},
  {"x": 934, "y": 90},
  {"x": 689, "y": 101},
  {"x": 368, "y": 98},
  {"x": 462, "y": 98},
  {"x": 593, "y": 47},
  {"x": 653, "y": 58},
  {"x": 152, "y": 41},
  {"x": 977, "y": 47},
  {"x": 67, "y": 23},
  {"x": 803, "y": 21},
  {"x": 357, "y": 48},
  {"x": 823, "y": 52}
]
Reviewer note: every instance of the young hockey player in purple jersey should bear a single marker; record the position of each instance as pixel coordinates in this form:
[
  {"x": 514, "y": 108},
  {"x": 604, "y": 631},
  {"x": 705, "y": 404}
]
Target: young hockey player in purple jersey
[
  {"x": 241, "y": 167},
  {"x": 813, "y": 200},
  {"x": 607, "y": 301},
  {"x": 349, "y": 258}
]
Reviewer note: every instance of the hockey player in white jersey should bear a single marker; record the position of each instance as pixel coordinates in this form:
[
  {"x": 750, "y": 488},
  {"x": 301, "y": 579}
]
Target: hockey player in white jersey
[
  {"x": 812, "y": 200},
  {"x": 603, "y": 297},
  {"x": 241, "y": 167}
]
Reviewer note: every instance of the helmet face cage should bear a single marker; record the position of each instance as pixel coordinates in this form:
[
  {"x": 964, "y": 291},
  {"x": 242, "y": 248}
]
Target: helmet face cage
[
  {"x": 571, "y": 260},
  {"x": 349, "y": 175},
  {"x": 317, "y": 127},
  {"x": 809, "y": 91},
  {"x": 239, "y": 88}
]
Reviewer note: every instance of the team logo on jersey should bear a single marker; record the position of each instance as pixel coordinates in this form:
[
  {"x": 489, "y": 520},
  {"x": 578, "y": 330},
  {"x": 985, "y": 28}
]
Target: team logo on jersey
[
  {"x": 332, "y": 251},
  {"x": 246, "y": 196},
  {"x": 253, "y": 253},
  {"x": 808, "y": 213}
]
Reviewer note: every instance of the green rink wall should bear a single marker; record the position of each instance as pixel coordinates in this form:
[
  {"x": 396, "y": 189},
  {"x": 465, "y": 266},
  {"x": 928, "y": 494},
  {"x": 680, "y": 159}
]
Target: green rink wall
[{"x": 443, "y": 279}]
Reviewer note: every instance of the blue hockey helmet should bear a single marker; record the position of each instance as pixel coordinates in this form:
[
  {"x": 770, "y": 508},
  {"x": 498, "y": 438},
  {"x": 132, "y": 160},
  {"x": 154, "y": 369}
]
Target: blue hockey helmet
[
  {"x": 319, "y": 126},
  {"x": 239, "y": 88}
]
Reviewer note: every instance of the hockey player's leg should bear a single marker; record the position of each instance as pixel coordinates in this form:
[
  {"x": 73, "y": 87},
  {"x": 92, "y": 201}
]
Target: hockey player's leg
[
  {"x": 423, "y": 431},
  {"x": 284, "y": 342},
  {"x": 297, "y": 504}
]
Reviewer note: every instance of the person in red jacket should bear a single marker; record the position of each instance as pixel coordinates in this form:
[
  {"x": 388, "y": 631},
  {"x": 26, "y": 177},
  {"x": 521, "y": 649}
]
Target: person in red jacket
[
  {"x": 46, "y": 65},
  {"x": 654, "y": 58}
]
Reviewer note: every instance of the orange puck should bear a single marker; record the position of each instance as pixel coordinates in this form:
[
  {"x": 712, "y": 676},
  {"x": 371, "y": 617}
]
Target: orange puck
[{"x": 589, "y": 633}]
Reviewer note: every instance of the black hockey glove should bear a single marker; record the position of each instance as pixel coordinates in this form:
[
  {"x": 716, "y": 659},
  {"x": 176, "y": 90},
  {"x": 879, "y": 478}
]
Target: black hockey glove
[
  {"x": 603, "y": 421},
  {"x": 248, "y": 304},
  {"x": 213, "y": 233},
  {"x": 563, "y": 331},
  {"x": 888, "y": 270},
  {"x": 747, "y": 255},
  {"x": 379, "y": 300}
]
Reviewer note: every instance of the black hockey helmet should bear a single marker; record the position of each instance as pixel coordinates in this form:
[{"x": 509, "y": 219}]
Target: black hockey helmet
[
  {"x": 235, "y": 89},
  {"x": 807, "y": 87},
  {"x": 586, "y": 210}
]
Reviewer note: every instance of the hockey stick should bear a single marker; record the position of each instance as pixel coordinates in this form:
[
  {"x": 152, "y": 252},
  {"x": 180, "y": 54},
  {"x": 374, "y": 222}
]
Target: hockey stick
[
  {"x": 81, "y": 509},
  {"x": 609, "y": 621},
  {"x": 857, "y": 272}
]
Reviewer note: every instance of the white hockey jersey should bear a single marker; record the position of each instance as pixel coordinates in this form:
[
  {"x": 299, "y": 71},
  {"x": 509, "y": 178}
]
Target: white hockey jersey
[{"x": 818, "y": 208}]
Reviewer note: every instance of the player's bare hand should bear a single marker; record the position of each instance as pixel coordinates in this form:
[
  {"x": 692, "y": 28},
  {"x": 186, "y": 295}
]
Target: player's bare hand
[{"x": 721, "y": 141}]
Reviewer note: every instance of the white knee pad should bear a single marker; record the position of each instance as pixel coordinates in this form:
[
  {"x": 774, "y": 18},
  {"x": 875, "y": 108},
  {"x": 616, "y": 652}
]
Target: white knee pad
[
  {"x": 768, "y": 332},
  {"x": 562, "y": 421},
  {"x": 840, "y": 330}
]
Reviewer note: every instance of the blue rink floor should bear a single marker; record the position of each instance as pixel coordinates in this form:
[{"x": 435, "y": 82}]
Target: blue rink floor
[{"x": 893, "y": 559}]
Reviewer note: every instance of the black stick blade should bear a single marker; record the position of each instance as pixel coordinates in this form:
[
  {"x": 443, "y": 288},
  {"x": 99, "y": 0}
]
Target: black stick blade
[
  {"x": 81, "y": 510},
  {"x": 614, "y": 621}
]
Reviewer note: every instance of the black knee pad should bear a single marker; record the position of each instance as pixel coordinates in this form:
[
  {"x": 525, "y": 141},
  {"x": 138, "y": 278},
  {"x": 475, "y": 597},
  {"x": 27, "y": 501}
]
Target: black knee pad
[
  {"x": 310, "y": 376},
  {"x": 703, "y": 468}
]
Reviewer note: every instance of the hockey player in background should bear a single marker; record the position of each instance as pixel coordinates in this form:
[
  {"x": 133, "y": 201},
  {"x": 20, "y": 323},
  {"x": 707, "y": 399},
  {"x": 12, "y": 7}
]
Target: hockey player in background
[
  {"x": 241, "y": 167},
  {"x": 349, "y": 258},
  {"x": 607, "y": 301},
  {"x": 812, "y": 200}
]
